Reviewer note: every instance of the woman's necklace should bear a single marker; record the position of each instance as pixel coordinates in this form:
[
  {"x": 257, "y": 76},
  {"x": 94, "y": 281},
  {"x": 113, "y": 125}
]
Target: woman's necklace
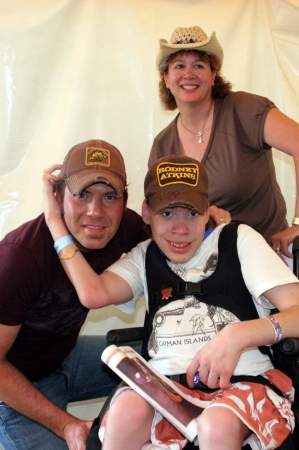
[{"x": 199, "y": 133}]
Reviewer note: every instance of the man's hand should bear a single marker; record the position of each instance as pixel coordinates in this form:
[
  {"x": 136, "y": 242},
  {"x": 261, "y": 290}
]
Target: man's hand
[{"x": 75, "y": 434}]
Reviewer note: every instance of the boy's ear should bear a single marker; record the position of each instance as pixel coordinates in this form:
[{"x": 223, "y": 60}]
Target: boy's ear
[
  {"x": 145, "y": 212},
  {"x": 208, "y": 213}
]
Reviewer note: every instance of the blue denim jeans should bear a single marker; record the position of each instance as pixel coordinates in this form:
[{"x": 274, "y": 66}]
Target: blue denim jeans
[{"x": 82, "y": 376}]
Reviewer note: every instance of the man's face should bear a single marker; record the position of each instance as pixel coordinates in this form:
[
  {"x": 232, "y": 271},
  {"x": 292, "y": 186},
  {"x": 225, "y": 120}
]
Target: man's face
[
  {"x": 93, "y": 217},
  {"x": 177, "y": 231}
]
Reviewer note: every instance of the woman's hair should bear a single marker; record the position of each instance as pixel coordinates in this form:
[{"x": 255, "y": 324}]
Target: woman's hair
[{"x": 220, "y": 89}]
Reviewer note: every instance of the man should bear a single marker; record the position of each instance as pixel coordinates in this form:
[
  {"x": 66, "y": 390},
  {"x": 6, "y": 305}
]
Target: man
[{"x": 44, "y": 365}]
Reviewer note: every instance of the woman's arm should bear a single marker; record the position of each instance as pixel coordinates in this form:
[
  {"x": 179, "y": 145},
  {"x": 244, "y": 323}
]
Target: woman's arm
[{"x": 282, "y": 133}]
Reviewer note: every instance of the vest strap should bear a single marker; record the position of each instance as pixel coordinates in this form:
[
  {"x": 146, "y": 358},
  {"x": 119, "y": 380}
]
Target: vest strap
[{"x": 182, "y": 379}]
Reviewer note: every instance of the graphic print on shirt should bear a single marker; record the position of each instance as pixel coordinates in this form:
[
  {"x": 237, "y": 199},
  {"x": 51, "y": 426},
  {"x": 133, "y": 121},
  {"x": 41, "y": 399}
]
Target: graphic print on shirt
[
  {"x": 211, "y": 263},
  {"x": 188, "y": 322}
]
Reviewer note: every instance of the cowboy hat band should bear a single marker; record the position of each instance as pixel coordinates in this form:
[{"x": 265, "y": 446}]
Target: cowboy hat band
[{"x": 192, "y": 38}]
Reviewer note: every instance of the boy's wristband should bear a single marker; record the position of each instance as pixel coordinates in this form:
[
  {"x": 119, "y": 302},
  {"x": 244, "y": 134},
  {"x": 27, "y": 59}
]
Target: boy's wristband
[
  {"x": 277, "y": 329},
  {"x": 295, "y": 221},
  {"x": 63, "y": 242}
]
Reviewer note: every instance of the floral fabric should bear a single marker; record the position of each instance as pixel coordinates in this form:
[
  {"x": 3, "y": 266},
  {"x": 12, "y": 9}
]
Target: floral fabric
[{"x": 266, "y": 414}]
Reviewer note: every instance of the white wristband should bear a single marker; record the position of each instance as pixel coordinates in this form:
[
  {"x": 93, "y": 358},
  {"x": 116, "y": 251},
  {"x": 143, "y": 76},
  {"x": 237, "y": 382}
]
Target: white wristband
[{"x": 63, "y": 242}]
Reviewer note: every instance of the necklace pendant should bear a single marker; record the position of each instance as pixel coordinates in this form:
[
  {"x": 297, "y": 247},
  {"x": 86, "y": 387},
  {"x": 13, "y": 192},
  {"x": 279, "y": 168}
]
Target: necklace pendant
[{"x": 199, "y": 134}]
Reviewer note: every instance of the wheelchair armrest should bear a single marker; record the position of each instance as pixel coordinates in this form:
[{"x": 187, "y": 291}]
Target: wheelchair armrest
[
  {"x": 125, "y": 335},
  {"x": 289, "y": 346}
]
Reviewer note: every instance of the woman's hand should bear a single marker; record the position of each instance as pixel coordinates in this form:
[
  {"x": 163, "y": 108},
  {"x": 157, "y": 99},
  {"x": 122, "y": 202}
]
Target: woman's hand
[
  {"x": 219, "y": 215},
  {"x": 282, "y": 240},
  {"x": 51, "y": 197}
]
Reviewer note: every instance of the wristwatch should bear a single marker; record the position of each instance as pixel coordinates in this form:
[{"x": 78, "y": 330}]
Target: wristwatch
[
  {"x": 68, "y": 254},
  {"x": 295, "y": 221}
]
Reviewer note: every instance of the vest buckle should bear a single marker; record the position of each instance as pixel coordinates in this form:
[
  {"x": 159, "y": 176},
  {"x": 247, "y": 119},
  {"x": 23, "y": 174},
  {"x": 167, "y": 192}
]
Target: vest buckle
[{"x": 188, "y": 288}]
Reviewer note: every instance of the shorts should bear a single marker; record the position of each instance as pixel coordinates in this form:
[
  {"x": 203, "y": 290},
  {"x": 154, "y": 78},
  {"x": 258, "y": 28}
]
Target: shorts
[{"x": 265, "y": 413}]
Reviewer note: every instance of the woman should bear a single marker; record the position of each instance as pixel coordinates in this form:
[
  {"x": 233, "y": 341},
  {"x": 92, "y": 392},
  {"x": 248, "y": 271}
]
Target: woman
[{"x": 231, "y": 133}]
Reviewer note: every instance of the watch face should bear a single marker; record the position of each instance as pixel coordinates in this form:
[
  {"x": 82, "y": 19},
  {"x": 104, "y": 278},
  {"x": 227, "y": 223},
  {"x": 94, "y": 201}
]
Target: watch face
[{"x": 67, "y": 254}]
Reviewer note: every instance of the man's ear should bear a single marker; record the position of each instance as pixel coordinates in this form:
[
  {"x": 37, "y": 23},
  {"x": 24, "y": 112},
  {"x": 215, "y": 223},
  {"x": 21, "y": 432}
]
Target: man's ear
[
  {"x": 125, "y": 199},
  {"x": 145, "y": 212},
  {"x": 58, "y": 196}
]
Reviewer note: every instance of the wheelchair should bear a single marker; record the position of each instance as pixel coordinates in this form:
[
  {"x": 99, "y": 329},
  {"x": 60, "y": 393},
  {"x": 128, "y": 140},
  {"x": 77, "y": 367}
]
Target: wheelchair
[{"x": 288, "y": 355}]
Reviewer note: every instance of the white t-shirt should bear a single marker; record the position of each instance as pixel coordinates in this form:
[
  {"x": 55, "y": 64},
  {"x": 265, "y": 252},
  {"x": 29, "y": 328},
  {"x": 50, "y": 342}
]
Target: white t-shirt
[{"x": 182, "y": 327}]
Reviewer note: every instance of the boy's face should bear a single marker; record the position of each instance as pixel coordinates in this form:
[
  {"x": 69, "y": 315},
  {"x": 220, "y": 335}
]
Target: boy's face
[{"x": 178, "y": 231}]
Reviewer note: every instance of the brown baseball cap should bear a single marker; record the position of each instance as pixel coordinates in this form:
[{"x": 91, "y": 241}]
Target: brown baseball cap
[
  {"x": 176, "y": 180},
  {"x": 91, "y": 162}
]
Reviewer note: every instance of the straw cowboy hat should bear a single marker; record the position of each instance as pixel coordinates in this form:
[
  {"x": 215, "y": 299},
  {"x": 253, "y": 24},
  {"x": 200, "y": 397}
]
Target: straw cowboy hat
[{"x": 192, "y": 38}]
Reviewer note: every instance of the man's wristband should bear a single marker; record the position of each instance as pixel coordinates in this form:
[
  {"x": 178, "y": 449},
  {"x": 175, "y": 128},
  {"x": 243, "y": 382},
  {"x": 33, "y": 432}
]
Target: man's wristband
[
  {"x": 63, "y": 242},
  {"x": 295, "y": 221}
]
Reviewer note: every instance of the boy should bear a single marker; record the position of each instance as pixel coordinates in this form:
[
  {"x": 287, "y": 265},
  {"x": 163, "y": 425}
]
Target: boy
[{"x": 191, "y": 334}]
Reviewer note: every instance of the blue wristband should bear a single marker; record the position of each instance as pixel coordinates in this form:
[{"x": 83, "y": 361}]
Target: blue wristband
[{"x": 63, "y": 242}]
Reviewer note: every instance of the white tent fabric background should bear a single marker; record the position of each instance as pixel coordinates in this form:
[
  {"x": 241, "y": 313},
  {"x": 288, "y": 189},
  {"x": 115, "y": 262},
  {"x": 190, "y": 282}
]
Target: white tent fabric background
[{"x": 73, "y": 70}]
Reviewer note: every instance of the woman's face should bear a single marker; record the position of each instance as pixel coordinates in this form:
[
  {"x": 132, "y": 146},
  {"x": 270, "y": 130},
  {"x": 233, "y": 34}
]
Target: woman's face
[{"x": 189, "y": 78}]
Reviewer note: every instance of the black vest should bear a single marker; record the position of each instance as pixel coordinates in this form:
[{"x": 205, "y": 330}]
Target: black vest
[{"x": 225, "y": 288}]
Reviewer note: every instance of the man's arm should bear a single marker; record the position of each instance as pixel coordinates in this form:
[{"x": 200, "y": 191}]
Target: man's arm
[{"x": 20, "y": 394}]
